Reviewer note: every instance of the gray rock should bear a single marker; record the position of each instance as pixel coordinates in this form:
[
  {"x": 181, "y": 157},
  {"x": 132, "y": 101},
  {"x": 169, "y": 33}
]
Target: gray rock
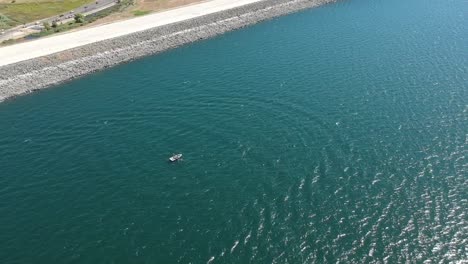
[{"x": 39, "y": 73}]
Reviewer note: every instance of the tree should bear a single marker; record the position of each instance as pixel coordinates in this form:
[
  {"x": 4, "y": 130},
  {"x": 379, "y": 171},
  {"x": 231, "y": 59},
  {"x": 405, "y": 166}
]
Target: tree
[
  {"x": 54, "y": 24},
  {"x": 79, "y": 18},
  {"x": 46, "y": 26}
]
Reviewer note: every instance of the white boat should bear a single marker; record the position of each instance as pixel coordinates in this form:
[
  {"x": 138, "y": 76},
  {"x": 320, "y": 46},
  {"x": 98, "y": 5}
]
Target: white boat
[{"x": 175, "y": 157}]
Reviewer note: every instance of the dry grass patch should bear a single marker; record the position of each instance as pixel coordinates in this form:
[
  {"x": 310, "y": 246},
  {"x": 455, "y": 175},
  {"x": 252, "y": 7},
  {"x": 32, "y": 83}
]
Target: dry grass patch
[
  {"x": 145, "y": 7},
  {"x": 25, "y": 11}
]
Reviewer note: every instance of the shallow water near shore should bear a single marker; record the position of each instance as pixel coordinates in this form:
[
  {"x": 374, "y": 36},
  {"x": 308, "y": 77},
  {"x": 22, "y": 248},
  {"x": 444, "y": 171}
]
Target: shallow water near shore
[{"x": 334, "y": 134}]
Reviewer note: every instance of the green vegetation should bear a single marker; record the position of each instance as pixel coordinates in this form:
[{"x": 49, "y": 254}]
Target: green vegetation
[
  {"x": 5, "y": 22},
  {"x": 124, "y": 4},
  {"x": 79, "y": 18},
  {"x": 55, "y": 28},
  {"x": 46, "y": 26},
  {"x": 140, "y": 12},
  {"x": 8, "y": 42},
  {"x": 21, "y": 12},
  {"x": 79, "y": 21}
]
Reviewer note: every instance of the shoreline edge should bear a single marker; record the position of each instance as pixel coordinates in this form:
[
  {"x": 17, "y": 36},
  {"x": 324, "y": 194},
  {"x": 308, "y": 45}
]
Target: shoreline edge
[{"x": 34, "y": 74}]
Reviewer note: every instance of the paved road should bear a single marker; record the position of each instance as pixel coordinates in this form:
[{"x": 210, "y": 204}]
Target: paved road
[
  {"x": 29, "y": 28},
  {"x": 61, "y": 42},
  {"x": 88, "y": 9}
]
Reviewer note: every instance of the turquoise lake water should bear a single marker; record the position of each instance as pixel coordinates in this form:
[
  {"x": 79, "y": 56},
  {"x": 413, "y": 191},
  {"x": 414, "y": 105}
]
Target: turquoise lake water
[{"x": 337, "y": 134}]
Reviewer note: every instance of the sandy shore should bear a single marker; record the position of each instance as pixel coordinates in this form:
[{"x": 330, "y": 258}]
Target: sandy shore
[{"x": 39, "y": 64}]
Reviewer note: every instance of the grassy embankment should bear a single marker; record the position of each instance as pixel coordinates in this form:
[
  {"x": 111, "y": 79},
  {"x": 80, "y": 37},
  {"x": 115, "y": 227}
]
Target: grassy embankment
[
  {"x": 140, "y": 12},
  {"x": 18, "y": 12},
  {"x": 78, "y": 22},
  {"x": 81, "y": 21}
]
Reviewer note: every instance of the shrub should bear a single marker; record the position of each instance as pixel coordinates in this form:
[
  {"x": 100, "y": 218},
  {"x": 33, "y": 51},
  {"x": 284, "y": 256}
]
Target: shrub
[
  {"x": 46, "y": 26},
  {"x": 79, "y": 18}
]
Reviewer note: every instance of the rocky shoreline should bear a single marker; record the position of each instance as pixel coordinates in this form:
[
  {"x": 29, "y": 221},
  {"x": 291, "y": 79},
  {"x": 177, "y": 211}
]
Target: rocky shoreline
[{"x": 39, "y": 73}]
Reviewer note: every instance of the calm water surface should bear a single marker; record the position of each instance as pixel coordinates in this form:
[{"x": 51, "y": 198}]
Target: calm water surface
[{"x": 337, "y": 134}]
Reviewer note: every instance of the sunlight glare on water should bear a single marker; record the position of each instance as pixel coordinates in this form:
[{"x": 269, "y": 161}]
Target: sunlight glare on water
[{"x": 338, "y": 134}]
